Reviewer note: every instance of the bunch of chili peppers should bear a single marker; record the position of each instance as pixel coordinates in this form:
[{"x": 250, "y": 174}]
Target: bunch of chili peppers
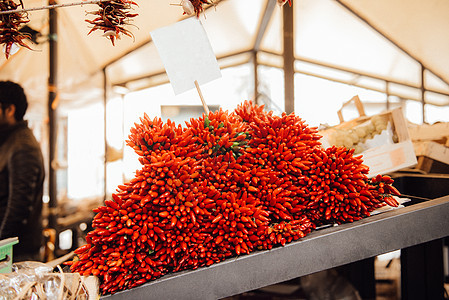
[
  {"x": 224, "y": 185},
  {"x": 112, "y": 17},
  {"x": 282, "y": 2},
  {"x": 10, "y": 24},
  {"x": 194, "y": 6}
]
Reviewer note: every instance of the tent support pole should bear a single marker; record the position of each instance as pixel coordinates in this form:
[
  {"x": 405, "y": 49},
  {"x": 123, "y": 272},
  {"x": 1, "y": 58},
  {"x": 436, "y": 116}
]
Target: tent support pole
[
  {"x": 423, "y": 94},
  {"x": 52, "y": 115},
  {"x": 289, "y": 59},
  {"x": 105, "y": 102},
  {"x": 256, "y": 78},
  {"x": 387, "y": 92}
]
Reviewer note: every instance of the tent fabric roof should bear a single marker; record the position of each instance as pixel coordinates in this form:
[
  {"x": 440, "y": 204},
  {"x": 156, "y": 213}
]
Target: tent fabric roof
[
  {"x": 418, "y": 27},
  {"x": 326, "y": 31}
]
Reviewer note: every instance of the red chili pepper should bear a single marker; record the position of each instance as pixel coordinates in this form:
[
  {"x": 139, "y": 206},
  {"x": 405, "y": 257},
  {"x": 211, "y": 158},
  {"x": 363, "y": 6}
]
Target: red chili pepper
[
  {"x": 83, "y": 248},
  {"x": 217, "y": 218},
  {"x": 393, "y": 190}
]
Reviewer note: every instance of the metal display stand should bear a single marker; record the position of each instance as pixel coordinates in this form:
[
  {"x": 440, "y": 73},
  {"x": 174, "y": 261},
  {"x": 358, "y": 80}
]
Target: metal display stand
[{"x": 320, "y": 250}]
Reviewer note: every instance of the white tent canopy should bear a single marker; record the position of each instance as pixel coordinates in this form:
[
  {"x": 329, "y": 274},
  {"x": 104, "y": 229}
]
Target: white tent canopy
[{"x": 328, "y": 33}]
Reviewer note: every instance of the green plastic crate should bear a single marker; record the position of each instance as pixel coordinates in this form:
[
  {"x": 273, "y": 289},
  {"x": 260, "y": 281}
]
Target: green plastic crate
[{"x": 6, "y": 254}]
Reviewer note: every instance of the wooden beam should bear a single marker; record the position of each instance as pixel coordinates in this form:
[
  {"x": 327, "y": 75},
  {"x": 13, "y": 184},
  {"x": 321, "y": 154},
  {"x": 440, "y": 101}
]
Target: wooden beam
[
  {"x": 355, "y": 72},
  {"x": 363, "y": 86},
  {"x": 122, "y": 83}
]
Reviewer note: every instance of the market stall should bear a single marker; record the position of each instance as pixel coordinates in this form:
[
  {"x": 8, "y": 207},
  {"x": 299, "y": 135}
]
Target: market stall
[
  {"x": 235, "y": 201},
  {"x": 87, "y": 76}
]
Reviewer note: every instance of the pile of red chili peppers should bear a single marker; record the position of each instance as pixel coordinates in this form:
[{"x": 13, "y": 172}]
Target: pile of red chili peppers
[
  {"x": 226, "y": 184},
  {"x": 112, "y": 17},
  {"x": 10, "y": 24}
]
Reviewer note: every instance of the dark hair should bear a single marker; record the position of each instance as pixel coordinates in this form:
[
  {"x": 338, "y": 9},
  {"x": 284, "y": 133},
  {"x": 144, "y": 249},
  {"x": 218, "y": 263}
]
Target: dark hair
[{"x": 12, "y": 93}]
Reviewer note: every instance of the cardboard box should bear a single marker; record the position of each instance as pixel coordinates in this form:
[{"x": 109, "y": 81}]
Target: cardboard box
[
  {"x": 426, "y": 132},
  {"x": 431, "y": 144},
  {"x": 387, "y": 146},
  {"x": 389, "y": 158},
  {"x": 432, "y": 150}
]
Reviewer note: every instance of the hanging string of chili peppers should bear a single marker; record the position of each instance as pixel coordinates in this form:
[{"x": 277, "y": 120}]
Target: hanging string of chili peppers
[
  {"x": 112, "y": 17},
  {"x": 282, "y": 2},
  {"x": 10, "y": 36},
  {"x": 224, "y": 185},
  {"x": 17, "y": 10},
  {"x": 196, "y": 7}
]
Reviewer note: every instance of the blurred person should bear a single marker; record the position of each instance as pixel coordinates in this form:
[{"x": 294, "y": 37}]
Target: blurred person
[{"x": 21, "y": 175}]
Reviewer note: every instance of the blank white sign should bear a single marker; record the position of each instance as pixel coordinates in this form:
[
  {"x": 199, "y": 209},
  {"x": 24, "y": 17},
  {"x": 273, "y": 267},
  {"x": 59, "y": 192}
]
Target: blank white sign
[{"x": 186, "y": 53}]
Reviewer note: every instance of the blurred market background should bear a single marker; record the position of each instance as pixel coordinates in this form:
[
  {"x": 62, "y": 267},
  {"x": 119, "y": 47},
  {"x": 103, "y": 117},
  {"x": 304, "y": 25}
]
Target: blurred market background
[{"x": 309, "y": 58}]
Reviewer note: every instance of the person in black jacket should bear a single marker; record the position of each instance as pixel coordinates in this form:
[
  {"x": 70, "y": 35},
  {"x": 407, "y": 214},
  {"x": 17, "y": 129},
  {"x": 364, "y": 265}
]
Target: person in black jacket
[{"x": 21, "y": 175}]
